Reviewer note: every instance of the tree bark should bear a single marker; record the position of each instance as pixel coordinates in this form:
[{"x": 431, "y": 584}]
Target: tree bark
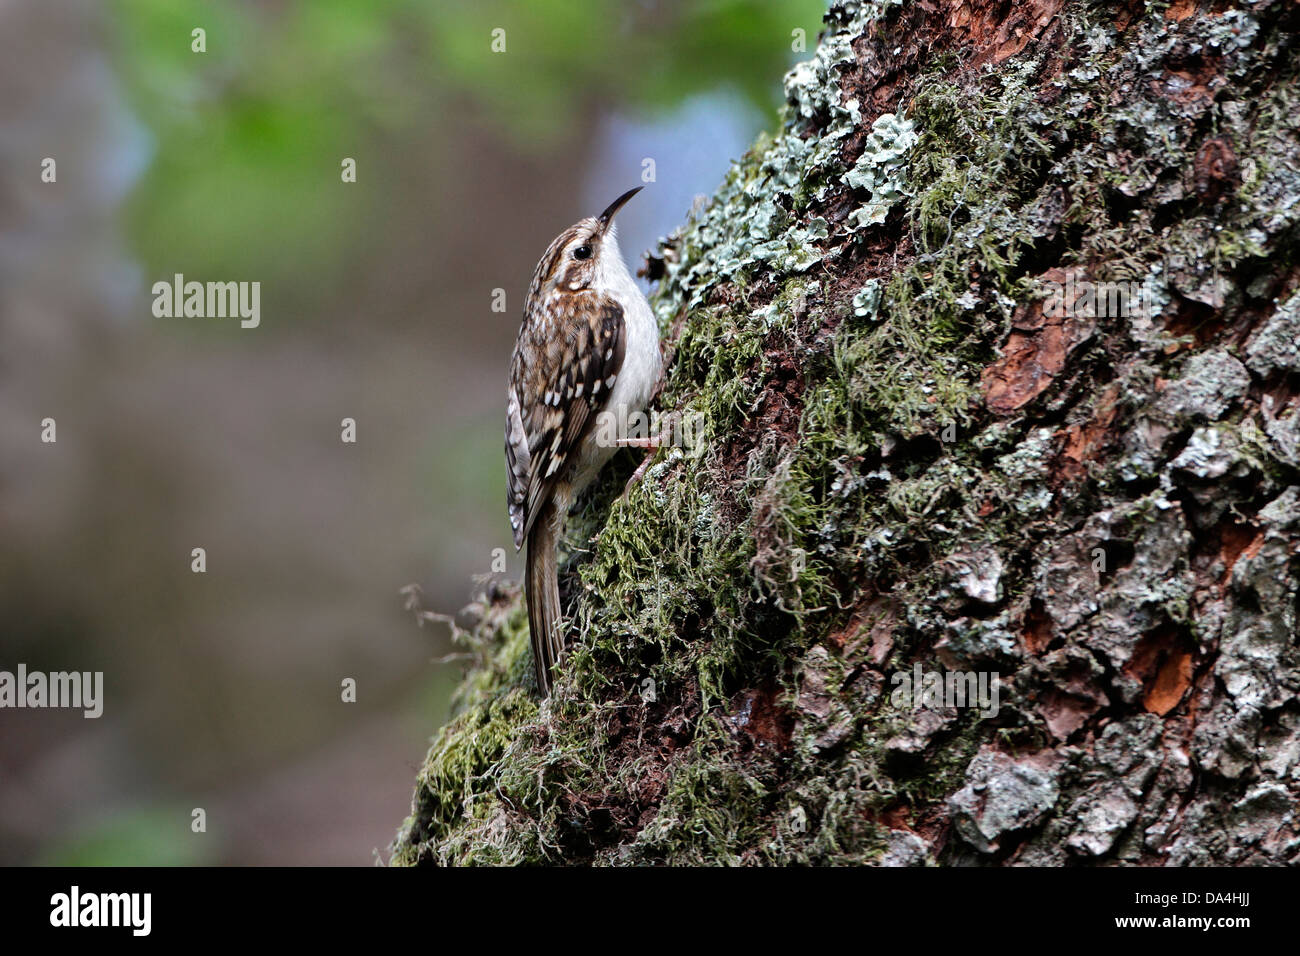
[{"x": 995, "y": 344}]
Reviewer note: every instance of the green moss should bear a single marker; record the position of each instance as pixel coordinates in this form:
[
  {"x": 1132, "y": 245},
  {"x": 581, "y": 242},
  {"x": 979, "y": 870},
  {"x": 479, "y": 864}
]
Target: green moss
[{"x": 446, "y": 789}]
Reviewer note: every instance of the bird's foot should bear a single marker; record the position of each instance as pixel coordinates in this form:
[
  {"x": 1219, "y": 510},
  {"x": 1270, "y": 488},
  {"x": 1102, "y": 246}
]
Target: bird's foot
[{"x": 652, "y": 444}]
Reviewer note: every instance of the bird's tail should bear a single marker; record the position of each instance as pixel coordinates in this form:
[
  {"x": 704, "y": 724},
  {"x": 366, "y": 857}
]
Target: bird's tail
[{"x": 542, "y": 592}]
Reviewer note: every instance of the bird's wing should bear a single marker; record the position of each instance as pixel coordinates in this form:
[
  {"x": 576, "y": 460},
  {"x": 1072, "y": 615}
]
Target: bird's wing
[{"x": 564, "y": 367}]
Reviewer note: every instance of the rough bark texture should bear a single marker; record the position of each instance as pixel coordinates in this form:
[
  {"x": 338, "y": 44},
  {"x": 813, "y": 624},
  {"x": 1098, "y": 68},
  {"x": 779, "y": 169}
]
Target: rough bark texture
[{"x": 913, "y": 458}]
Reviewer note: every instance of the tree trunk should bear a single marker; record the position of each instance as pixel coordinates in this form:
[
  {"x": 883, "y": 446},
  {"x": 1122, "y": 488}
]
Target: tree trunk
[{"x": 995, "y": 345}]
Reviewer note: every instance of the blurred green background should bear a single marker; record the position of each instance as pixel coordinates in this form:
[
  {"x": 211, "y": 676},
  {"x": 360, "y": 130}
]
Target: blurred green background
[{"x": 223, "y": 689}]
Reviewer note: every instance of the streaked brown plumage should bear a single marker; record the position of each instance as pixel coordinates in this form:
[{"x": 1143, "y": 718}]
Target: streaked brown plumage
[{"x": 588, "y": 347}]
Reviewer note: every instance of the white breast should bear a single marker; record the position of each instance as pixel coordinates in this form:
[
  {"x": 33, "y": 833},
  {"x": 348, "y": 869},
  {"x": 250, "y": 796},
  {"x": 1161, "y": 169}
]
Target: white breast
[{"x": 637, "y": 378}]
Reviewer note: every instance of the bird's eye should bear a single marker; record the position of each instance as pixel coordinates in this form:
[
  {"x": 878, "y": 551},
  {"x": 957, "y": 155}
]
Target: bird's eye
[{"x": 582, "y": 252}]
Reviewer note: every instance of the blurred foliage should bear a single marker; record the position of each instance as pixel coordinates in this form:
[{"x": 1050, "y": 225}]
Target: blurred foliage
[
  {"x": 144, "y": 837},
  {"x": 563, "y": 57},
  {"x": 248, "y": 137}
]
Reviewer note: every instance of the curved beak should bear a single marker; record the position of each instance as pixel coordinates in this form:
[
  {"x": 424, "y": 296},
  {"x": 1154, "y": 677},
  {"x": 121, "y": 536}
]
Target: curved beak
[{"x": 607, "y": 216}]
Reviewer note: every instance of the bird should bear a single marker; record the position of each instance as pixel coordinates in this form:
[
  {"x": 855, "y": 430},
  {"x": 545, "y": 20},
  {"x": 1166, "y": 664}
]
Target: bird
[{"x": 585, "y": 366}]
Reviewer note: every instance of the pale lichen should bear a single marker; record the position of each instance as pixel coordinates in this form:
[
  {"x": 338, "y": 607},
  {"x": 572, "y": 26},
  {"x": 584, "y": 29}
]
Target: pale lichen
[{"x": 881, "y": 170}]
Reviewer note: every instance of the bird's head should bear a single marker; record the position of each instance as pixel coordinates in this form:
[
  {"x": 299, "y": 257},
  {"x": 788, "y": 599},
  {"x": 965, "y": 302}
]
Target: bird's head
[{"x": 584, "y": 252}]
